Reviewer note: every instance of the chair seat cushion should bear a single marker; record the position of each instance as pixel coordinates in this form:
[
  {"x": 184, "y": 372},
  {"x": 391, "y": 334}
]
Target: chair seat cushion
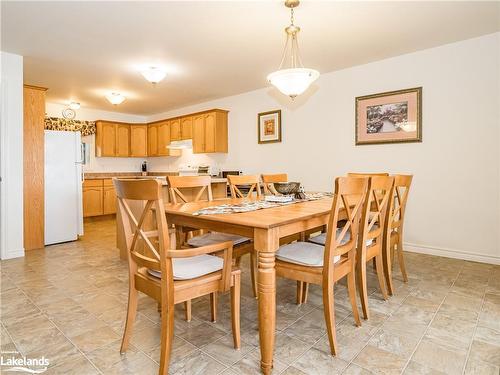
[
  {"x": 193, "y": 267},
  {"x": 303, "y": 253},
  {"x": 321, "y": 239},
  {"x": 213, "y": 238}
]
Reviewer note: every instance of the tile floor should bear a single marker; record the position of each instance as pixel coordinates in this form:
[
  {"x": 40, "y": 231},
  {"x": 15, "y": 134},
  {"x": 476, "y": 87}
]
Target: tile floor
[{"x": 68, "y": 303}]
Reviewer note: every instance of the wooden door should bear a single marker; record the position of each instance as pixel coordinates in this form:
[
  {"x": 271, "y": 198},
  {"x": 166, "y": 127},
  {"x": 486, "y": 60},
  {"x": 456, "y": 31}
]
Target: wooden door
[
  {"x": 199, "y": 134},
  {"x": 109, "y": 200},
  {"x": 107, "y": 139},
  {"x": 138, "y": 140},
  {"x": 175, "y": 129},
  {"x": 122, "y": 140},
  {"x": 92, "y": 201},
  {"x": 153, "y": 140},
  {"x": 187, "y": 127},
  {"x": 163, "y": 138},
  {"x": 210, "y": 123},
  {"x": 33, "y": 165}
]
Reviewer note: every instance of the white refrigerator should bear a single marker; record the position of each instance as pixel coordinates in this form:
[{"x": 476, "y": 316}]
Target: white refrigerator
[{"x": 63, "y": 186}]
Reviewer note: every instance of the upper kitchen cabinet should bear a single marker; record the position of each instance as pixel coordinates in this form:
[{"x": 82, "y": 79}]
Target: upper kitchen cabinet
[
  {"x": 117, "y": 139},
  {"x": 210, "y": 132},
  {"x": 164, "y": 131},
  {"x": 187, "y": 127},
  {"x": 105, "y": 138},
  {"x": 153, "y": 140},
  {"x": 138, "y": 140},
  {"x": 175, "y": 129},
  {"x": 122, "y": 140}
]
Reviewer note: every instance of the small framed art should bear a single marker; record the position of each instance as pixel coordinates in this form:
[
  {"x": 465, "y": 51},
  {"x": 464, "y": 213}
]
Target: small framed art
[{"x": 269, "y": 126}]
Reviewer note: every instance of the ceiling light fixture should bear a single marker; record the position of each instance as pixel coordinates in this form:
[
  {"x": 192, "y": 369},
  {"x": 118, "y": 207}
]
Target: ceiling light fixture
[
  {"x": 292, "y": 79},
  {"x": 115, "y": 98},
  {"x": 154, "y": 74},
  {"x": 74, "y": 105}
]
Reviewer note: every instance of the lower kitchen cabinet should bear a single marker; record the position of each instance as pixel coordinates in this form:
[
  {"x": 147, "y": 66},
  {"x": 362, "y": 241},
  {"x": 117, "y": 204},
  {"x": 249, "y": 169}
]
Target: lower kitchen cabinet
[{"x": 99, "y": 197}]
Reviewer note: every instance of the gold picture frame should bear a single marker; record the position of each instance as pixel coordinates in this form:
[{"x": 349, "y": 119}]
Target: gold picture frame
[
  {"x": 269, "y": 126},
  {"x": 389, "y": 117}
]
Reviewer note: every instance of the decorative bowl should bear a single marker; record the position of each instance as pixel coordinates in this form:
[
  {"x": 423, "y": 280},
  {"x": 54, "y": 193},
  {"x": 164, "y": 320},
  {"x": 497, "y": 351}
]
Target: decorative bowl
[{"x": 287, "y": 188}]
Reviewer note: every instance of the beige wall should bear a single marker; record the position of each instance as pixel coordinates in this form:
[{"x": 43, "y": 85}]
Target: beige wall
[{"x": 454, "y": 204}]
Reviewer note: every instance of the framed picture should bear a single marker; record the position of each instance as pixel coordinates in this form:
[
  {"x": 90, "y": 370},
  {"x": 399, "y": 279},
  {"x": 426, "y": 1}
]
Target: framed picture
[
  {"x": 389, "y": 117},
  {"x": 269, "y": 126}
]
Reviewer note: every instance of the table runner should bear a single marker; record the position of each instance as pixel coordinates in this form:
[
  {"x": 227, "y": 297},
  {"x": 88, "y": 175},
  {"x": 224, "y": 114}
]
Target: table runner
[{"x": 256, "y": 205}]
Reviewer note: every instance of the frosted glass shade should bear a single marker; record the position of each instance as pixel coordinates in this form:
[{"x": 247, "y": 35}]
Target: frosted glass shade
[
  {"x": 115, "y": 98},
  {"x": 154, "y": 74},
  {"x": 294, "y": 81}
]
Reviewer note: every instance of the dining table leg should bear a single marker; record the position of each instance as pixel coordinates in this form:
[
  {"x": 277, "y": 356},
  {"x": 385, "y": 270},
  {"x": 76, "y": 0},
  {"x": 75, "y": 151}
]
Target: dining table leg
[{"x": 266, "y": 242}]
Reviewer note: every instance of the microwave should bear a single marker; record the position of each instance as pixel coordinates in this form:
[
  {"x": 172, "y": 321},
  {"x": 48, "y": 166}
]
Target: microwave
[{"x": 232, "y": 173}]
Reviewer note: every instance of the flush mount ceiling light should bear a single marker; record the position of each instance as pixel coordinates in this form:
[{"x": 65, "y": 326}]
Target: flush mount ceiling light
[
  {"x": 292, "y": 78},
  {"x": 154, "y": 74},
  {"x": 115, "y": 98},
  {"x": 74, "y": 105}
]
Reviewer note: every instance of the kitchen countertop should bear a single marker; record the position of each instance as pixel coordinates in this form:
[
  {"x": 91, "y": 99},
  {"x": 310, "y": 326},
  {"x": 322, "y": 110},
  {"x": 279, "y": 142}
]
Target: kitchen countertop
[{"x": 161, "y": 175}]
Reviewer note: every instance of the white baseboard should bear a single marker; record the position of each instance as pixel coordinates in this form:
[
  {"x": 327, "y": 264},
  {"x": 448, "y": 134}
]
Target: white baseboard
[
  {"x": 11, "y": 254},
  {"x": 451, "y": 253}
]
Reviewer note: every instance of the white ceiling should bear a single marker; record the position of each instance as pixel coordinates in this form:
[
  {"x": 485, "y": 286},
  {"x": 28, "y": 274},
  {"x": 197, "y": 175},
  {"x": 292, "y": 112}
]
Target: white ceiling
[{"x": 83, "y": 50}]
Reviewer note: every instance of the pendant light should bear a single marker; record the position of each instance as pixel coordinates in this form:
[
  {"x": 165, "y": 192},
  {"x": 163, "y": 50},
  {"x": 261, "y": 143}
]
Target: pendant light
[{"x": 292, "y": 79}]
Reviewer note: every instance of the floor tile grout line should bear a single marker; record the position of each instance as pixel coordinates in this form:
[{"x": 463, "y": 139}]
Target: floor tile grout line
[
  {"x": 475, "y": 326},
  {"x": 67, "y": 338},
  {"x": 432, "y": 319}
]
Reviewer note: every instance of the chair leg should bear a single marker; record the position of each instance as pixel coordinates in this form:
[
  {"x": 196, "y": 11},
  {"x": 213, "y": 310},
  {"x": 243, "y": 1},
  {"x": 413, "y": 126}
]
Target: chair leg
[
  {"x": 329, "y": 310},
  {"x": 300, "y": 291},
  {"x": 253, "y": 272},
  {"x": 351, "y": 288},
  {"x": 381, "y": 283},
  {"x": 362, "y": 287},
  {"x": 235, "y": 310},
  {"x": 213, "y": 306},
  {"x": 167, "y": 335},
  {"x": 187, "y": 308},
  {"x": 129, "y": 323},
  {"x": 401, "y": 259},
  {"x": 388, "y": 269},
  {"x": 305, "y": 292}
]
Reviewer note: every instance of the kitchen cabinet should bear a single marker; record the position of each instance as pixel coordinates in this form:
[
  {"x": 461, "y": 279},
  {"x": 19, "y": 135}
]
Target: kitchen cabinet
[
  {"x": 138, "y": 140},
  {"x": 99, "y": 197},
  {"x": 175, "y": 129},
  {"x": 122, "y": 140},
  {"x": 187, "y": 127},
  {"x": 108, "y": 200},
  {"x": 153, "y": 140},
  {"x": 105, "y": 139},
  {"x": 210, "y": 132},
  {"x": 92, "y": 198},
  {"x": 164, "y": 131}
]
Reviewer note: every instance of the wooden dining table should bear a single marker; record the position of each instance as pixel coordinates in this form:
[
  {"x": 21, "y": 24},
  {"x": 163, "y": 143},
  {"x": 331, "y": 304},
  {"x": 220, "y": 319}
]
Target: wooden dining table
[{"x": 265, "y": 227}]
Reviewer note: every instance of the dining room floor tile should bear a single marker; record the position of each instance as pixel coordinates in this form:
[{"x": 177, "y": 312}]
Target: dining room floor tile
[{"x": 68, "y": 302}]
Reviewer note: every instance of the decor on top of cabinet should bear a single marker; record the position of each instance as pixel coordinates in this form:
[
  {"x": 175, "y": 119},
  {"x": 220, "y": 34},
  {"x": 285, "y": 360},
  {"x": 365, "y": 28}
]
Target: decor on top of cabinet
[
  {"x": 62, "y": 124},
  {"x": 389, "y": 117},
  {"x": 269, "y": 126}
]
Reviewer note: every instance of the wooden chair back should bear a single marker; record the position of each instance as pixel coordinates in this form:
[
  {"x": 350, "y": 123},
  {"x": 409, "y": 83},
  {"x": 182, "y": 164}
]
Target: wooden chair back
[
  {"x": 155, "y": 242},
  {"x": 203, "y": 183},
  {"x": 355, "y": 174},
  {"x": 349, "y": 195},
  {"x": 236, "y": 182},
  {"x": 375, "y": 208},
  {"x": 397, "y": 206},
  {"x": 270, "y": 179}
]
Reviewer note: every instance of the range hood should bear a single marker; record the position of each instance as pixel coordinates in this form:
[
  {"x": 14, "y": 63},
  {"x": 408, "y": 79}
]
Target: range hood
[{"x": 181, "y": 145}]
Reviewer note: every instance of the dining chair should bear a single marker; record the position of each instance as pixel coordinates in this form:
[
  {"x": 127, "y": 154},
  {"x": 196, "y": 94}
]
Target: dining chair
[
  {"x": 252, "y": 184},
  {"x": 325, "y": 265},
  {"x": 170, "y": 276},
  {"x": 371, "y": 235},
  {"x": 393, "y": 235},
  {"x": 268, "y": 180}
]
